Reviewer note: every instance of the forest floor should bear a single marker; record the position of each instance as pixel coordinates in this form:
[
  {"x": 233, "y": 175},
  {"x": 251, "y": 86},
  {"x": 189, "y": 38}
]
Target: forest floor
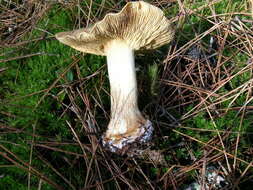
[{"x": 55, "y": 102}]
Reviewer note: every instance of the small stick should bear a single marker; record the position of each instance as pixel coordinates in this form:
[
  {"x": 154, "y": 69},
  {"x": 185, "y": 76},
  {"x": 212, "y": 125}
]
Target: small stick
[{"x": 24, "y": 56}]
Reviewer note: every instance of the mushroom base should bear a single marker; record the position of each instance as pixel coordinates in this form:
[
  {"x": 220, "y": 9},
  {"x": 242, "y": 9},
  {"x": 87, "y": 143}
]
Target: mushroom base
[{"x": 121, "y": 146}]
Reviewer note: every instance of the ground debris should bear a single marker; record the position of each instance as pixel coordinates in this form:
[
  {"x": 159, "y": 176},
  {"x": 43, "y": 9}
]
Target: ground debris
[{"x": 214, "y": 180}]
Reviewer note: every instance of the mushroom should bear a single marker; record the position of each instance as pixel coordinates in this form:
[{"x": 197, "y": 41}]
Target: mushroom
[{"x": 138, "y": 26}]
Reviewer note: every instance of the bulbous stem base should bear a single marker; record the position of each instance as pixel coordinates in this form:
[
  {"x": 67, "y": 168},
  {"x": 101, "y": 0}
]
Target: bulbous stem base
[{"x": 125, "y": 142}]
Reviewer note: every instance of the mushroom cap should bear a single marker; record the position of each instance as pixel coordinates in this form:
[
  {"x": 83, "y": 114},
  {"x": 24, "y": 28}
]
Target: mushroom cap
[{"x": 139, "y": 24}]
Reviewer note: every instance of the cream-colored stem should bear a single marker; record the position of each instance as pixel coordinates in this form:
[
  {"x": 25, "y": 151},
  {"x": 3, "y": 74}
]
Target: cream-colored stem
[{"x": 124, "y": 108}]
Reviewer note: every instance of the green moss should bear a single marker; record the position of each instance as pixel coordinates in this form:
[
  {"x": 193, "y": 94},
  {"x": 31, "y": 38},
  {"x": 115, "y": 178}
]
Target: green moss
[{"x": 24, "y": 83}]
